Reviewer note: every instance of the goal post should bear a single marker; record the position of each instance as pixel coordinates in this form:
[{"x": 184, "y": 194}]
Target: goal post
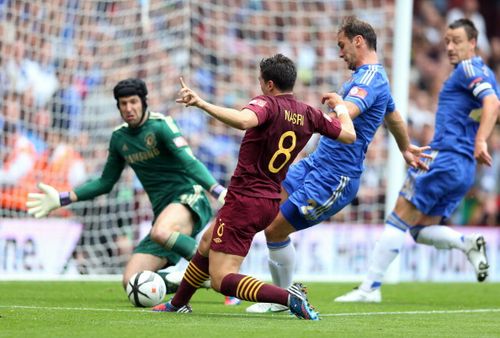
[{"x": 60, "y": 60}]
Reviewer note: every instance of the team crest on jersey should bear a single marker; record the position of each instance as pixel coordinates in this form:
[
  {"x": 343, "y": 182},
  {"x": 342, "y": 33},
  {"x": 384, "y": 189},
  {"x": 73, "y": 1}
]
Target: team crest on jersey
[
  {"x": 358, "y": 92},
  {"x": 258, "y": 102},
  {"x": 150, "y": 140}
]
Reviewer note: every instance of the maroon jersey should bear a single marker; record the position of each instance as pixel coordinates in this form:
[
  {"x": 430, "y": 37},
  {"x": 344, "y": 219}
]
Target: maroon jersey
[{"x": 267, "y": 150}]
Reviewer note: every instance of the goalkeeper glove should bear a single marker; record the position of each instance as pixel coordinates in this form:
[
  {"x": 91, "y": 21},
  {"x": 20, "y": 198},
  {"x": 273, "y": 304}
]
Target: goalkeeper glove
[
  {"x": 219, "y": 193},
  {"x": 41, "y": 205}
]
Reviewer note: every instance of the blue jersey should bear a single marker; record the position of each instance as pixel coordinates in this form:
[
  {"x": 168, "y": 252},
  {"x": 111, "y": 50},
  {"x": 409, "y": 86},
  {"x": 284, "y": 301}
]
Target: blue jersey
[
  {"x": 459, "y": 107},
  {"x": 369, "y": 89}
]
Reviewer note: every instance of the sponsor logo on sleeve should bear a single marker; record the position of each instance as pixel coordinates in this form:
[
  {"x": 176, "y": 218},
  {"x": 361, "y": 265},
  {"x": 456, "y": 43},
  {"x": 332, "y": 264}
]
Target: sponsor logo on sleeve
[
  {"x": 475, "y": 82},
  {"x": 358, "y": 92},
  {"x": 180, "y": 141},
  {"x": 258, "y": 102}
]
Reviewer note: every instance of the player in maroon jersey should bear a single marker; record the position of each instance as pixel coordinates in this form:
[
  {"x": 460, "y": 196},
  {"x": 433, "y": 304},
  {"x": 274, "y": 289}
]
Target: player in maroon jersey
[{"x": 278, "y": 127}]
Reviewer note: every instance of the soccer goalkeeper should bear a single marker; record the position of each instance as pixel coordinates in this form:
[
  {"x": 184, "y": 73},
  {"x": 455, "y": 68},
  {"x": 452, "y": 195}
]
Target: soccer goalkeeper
[{"x": 173, "y": 178}]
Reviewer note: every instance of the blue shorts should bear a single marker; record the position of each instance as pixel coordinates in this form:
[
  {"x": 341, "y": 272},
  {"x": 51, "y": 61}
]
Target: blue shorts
[
  {"x": 315, "y": 194},
  {"x": 438, "y": 192}
]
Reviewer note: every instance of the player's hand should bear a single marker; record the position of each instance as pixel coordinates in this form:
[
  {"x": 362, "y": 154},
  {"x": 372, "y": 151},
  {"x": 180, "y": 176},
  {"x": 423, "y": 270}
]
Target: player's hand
[
  {"x": 413, "y": 156},
  {"x": 332, "y": 99},
  {"x": 40, "y": 205},
  {"x": 187, "y": 96},
  {"x": 481, "y": 153}
]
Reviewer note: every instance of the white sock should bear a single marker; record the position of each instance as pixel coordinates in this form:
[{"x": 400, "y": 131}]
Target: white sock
[
  {"x": 441, "y": 237},
  {"x": 386, "y": 250},
  {"x": 282, "y": 262}
]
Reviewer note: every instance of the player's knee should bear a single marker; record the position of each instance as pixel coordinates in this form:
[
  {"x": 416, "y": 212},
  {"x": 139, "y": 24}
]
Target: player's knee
[
  {"x": 216, "y": 280},
  {"x": 160, "y": 234},
  {"x": 276, "y": 235},
  {"x": 415, "y": 231},
  {"x": 278, "y": 230},
  {"x": 204, "y": 246}
]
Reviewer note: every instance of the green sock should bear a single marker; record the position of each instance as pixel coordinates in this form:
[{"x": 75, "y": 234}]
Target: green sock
[{"x": 182, "y": 245}]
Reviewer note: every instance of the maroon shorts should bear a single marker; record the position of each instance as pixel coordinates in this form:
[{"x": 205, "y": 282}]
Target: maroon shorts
[{"x": 239, "y": 220}]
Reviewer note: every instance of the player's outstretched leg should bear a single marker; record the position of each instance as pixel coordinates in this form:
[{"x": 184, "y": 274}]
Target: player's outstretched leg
[
  {"x": 175, "y": 278},
  {"x": 253, "y": 290},
  {"x": 299, "y": 304},
  {"x": 281, "y": 265},
  {"x": 385, "y": 251},
  {"x": 473, "y": 245},
  {"x": 196, "y": 273},
  {"x": 475, "y": 249}
]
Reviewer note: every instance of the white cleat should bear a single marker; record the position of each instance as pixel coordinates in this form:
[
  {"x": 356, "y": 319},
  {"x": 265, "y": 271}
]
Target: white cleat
[
  {"x": 362, "y": 296},
  {"x": 475, "y": 249},
  {"x": 175, "y": 277},
  {"x": 266, "y": 308}
]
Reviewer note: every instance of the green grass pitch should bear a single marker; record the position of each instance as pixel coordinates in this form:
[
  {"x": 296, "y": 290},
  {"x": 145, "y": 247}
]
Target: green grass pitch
[{"x": 100, "y": 309}]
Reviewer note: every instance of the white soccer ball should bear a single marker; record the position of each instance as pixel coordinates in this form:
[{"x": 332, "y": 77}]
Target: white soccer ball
[{"x": 145, "y": 289}]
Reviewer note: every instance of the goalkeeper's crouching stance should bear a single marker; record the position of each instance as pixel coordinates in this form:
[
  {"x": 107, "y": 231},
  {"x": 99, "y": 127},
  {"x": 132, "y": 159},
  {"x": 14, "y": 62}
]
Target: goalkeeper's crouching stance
[{"x": 153, "y": 146}]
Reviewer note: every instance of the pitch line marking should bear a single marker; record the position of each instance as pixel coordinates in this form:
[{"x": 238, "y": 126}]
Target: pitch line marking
[{"x": 347, "y": 314}]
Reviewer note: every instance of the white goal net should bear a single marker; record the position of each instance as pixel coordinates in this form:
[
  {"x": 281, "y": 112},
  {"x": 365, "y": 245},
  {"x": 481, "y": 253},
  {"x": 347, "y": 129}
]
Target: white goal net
[{"x": 59, "y": 61}]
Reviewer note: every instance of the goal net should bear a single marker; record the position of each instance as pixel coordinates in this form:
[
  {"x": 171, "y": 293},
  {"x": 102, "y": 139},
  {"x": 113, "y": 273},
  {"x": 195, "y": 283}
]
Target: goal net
[{"x": 60, "y": 60}]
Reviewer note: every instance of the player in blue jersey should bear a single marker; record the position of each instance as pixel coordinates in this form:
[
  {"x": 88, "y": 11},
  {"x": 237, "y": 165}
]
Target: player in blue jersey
[
  {"x": 322, "y": 184},
  {"x": 467, "y": 110}
]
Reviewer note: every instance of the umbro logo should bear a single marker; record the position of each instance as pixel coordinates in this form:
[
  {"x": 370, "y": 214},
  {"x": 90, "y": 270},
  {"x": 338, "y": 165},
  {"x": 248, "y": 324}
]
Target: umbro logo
[{"x": 217, "y": 240}]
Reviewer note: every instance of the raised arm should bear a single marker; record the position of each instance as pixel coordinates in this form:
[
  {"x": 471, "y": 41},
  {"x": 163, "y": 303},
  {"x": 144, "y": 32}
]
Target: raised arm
[
  {"x": 242, "y": 120},
  {"x": 411, "y": 153}
]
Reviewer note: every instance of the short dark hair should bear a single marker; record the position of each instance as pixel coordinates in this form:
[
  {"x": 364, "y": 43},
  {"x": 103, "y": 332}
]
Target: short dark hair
[
  {"x": 352, "y": 26},
  {"x": 279, "y": 69},
  {"x": 468, "y": 26}
]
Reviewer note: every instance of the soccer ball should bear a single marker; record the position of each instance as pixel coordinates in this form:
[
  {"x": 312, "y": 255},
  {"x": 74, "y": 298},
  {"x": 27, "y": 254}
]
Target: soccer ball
[{"x": 146, "y": 289}]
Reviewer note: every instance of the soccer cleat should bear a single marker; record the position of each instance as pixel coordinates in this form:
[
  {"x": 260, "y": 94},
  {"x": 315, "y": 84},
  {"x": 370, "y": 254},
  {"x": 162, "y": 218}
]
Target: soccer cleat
[
  {"x": 231, "y": 301},
  {"x": 266, "y": 308},
  {"x": 168, "y": 307},
  {"x": 175, "y": 277},
  {"x": 298, "y": 303},
  {"x": 361, "y": 296},
  {"x": 475, "y": 249}
]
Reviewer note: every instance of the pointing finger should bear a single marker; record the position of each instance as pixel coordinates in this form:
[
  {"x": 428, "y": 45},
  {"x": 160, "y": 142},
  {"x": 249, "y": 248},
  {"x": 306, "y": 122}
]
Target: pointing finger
[{"x": 183, "y": 84}]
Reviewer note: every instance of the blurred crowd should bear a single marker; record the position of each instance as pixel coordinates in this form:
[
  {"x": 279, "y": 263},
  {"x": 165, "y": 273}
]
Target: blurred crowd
[{"x": 60, "y": 59}]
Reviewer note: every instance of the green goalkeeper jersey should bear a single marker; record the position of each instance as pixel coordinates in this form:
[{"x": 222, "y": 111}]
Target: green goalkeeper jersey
[{"x": 159, "y": 156}]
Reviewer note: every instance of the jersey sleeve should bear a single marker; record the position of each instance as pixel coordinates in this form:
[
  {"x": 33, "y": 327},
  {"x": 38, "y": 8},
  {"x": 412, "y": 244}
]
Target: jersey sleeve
[
  {"x": 172, "y": 138},
  {"x": 110, "y": 174},
  {"x": 261, "y": 106},
  {"x": 476, "y": 81},
  {"x": 326, "y": 125},
  {"x": 361, "y": 95},
  {"x": 391, "y": 106}
]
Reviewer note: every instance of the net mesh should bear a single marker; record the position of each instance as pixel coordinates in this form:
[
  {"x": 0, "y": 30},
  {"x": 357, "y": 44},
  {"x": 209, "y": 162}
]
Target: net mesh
[{"x": 60, "y": 60}]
